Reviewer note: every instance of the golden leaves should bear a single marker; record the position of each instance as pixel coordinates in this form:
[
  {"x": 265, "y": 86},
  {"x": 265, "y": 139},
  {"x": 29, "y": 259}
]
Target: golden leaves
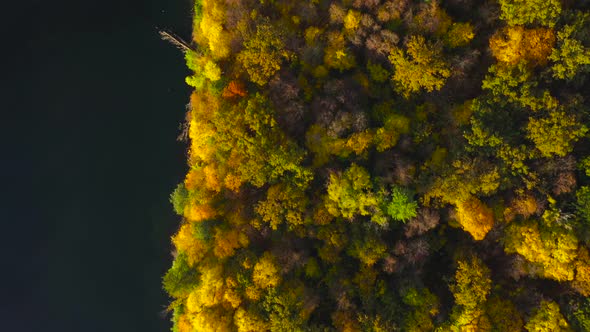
[
  {"x": 475, "y": 217},
  {"x": 511, "y": 45},
  {"x": 266, "y": 272}
]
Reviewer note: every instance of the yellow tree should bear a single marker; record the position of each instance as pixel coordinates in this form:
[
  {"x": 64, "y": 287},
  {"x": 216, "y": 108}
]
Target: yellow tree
[
  {"x": 525, "y": 205},
  {"x": 198, "y": 205},
  {"x": 209, "y": 30},
  {"x": 266, "y": 271},
  {"x": 581, "y": 280},
  {"x": 336, "y": 54},
  {"x": 210, "y": 290},
  {"x": 556, "y": 133},
  {"x": 459, "y": 35},
  {"x": 203, "y": 107},
  {"x": 571, "y": 56},
  {"x": 350, "y": 193},
  {"x": 213, "y": 319},
  {"x": 551, "y": 248},
  {"x": 463, "y": 179},
  {"x": 248, "y": 320},
  {"x": 521, "y": 12},
  {"x": 475, "y": 217},
  {"x": 547, "y": 318},
  {"x": 185, "y": 241},
  {"x": 359, "y": 142},
  {"x": 184, "y": 324},
  {"x": 232, "y": 294},
  {"x": 419, "y": 66},
  {"x": 228, "y": 240},
  {"x": 263, "y": 53},
  {"x": 424, "y": 305},
  {"x": 283, "y": 204},
  {"x": 511, "y": 45},
  {"x": 471, "y": 287},
  {"x": 352, "y": 20},
  {"x": 206, "y": 307},
  {"x": 387, "y": 136},
  {"x": 472, "y": 283}
]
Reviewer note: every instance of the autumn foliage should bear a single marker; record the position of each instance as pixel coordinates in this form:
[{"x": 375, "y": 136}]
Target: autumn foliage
[
  {"x": 475, "y": 217},
  {"x": 384, "y": 165},
  {"x": 514, "y": 44}
]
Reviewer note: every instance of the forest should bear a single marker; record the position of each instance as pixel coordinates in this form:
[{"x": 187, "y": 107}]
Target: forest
[{"x": 385, "y": 165}]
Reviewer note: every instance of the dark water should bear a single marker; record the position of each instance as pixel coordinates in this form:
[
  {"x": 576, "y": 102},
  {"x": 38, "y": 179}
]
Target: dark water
[{"x": 92, "y": 107}]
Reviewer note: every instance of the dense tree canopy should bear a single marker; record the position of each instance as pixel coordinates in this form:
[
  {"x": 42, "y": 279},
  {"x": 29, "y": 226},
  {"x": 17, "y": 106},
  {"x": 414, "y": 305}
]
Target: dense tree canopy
[
  {"x": 419, "y": 66},
  {"x": 522, "y": 12},
  {"x": 385, "y": 165},
  {"x": 263, "y": 53}
]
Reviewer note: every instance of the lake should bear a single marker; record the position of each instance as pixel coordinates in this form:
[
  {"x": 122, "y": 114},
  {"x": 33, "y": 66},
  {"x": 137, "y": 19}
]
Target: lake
[{"x": 94, "y": 104}]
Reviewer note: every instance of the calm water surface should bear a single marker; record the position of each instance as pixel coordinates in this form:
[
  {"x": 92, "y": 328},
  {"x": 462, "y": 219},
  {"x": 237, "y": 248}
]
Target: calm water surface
[{"x": 95, "y": 100}]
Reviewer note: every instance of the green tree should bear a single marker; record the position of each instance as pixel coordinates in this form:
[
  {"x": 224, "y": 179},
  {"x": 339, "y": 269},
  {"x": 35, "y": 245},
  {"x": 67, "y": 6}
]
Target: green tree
[
  {"x": 419, "y": 66},
  {"x": 180, "y": 279},
  {"x": 264, "y": 53},
  {"x": 367, "y": 248},
  {"x": 402, "y": 206},
  {"x": 472, "y": 283},
  {"x": 571, "y": 56},
  {"x": 249, "y": 320},
  {"x": 517, "y": 86},
  {"x": 424, "y": 306},
  {"x": 284, "y": 204},
  {"x": 471, "y": 287},
  {"x": 547, "y": 318},
  {"x": 179, "y": 198},
  {"x": 394, "y": 125},
  {"x": 242, "y": 143},
  {"x": 459, "y": 35},
  {"x": 522, "y": 12},
  {"x": 580, "y": 317},
  {"x": 312, "y": 269},
  {"x": 203, "y": 67},
  {"x": 552, "y": 248},
  {"x": 583, "y": 205},
  {"x": 351, "y": 193},
  {"x": 504, "y": 317},
  {"x": 462, "y": 179},
  {"x": 335, "y": 238},
  {"x": 556, "y": 133},
  {"x": 269, "y": 151},
  {"x": 584, "y": 165},
  {"x": 285, "y": 309},
  {"x": 377, "y": 72}
]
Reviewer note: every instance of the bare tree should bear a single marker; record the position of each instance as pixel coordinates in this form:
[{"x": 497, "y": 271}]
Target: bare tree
[{"x": 175, "y": 40}]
